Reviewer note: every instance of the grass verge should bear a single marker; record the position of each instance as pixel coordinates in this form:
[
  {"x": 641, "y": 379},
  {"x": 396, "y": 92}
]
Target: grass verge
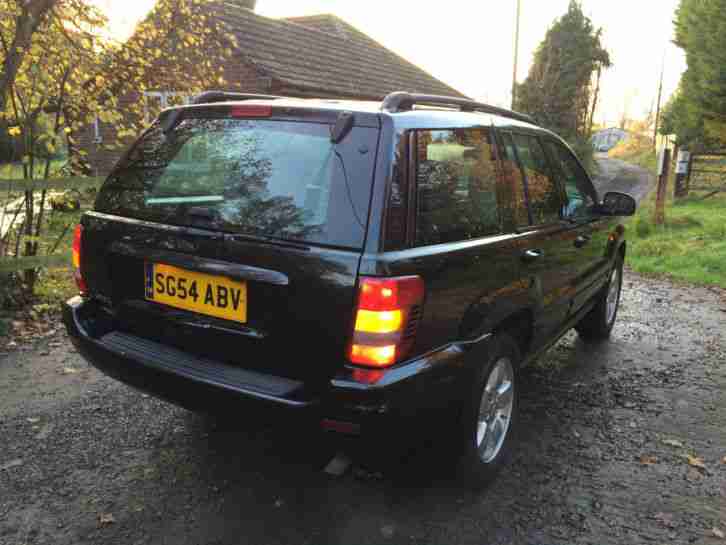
[{"x": 691, "y": 246}]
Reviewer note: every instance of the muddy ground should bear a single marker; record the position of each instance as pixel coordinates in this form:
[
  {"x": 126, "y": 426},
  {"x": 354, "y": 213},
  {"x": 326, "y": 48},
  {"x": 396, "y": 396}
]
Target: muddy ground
[{"x": 602, "y": 457}]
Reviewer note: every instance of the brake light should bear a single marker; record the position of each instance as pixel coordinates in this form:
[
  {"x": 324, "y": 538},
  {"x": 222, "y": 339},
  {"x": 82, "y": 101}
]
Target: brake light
[
  {"x": 251, "y": 110},
  {"x": 76, "y": 252},
  {"x": 385, "y": 320}
]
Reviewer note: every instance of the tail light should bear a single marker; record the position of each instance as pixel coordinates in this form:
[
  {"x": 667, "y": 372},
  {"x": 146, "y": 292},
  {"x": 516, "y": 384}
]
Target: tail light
[
  {"x": 77, "y": 239},
  {"x": 386, "y": 319}
]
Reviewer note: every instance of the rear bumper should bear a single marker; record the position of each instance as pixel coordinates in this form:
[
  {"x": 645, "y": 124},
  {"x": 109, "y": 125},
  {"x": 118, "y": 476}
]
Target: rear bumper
[{"x": 372, "y": 401}]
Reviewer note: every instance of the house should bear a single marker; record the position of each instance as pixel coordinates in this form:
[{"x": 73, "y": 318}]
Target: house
[
  {"x": 607, "y": 139},
  {"x": 315, "y": 56}
]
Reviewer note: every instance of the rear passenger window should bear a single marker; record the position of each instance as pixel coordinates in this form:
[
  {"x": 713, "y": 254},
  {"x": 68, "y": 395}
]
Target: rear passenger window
[
  {"x": 515, "y": 209},
  {"x": 456, "y": 181},
  {"x": 545, "y": 201}
]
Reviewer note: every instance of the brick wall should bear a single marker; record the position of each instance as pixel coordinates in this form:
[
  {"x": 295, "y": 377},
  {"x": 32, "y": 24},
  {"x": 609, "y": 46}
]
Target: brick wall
[
  {"x": 101, "y": 160},
  {"x": 241, "y": 77}
]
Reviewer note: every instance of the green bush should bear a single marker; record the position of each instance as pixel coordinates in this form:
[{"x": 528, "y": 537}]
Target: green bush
[{"x": 643, "y": 227}]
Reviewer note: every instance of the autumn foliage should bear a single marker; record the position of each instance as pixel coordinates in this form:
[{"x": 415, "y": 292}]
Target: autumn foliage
[{"x": 61, "y": 72}]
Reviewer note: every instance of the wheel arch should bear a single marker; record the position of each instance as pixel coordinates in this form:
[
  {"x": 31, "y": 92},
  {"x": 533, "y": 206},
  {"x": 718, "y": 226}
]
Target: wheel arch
[{"x": 520, "y": 325}]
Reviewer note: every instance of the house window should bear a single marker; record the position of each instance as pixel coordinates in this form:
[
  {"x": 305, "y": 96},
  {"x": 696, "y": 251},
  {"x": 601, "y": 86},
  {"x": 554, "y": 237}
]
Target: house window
[{"x": 156, "y": 101}]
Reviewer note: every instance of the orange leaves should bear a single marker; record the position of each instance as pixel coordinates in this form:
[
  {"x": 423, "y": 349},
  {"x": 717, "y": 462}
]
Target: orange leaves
[{"x": 648, "y": 460}]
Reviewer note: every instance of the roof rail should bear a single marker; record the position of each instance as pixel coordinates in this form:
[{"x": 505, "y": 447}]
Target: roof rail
[
  {"x": 401, "y": 102},
  {"x": 209, "y": 97}
]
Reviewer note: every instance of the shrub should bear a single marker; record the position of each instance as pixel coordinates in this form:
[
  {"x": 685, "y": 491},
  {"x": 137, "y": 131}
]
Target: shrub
[{"x": 642, "y": 227}]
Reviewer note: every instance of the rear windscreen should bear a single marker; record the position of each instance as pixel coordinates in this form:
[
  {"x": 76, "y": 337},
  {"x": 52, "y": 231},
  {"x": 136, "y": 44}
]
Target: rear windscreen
[{"x": 278, "y": 179}]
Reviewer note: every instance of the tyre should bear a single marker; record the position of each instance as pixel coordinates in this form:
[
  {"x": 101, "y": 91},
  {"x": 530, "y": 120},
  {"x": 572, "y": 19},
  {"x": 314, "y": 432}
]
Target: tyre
[
  {"x": 489, "y": 417},
  {"x": 598, "y": 323}
]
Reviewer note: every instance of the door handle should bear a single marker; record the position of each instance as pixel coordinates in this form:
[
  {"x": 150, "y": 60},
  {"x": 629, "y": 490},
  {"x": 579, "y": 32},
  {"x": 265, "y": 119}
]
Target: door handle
[
  {"x": 581, "y": 241},
  {"x": 532, "y": 255}
]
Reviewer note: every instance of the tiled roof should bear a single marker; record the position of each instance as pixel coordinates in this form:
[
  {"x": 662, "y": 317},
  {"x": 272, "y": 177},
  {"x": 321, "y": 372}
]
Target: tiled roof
[{"x": 323, "y": 53}]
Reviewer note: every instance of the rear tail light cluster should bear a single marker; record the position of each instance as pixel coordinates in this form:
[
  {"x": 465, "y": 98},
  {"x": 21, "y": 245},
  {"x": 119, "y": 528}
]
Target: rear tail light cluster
[
  {"x": 76, "y": 252},
  {"x": 386, "y": 319}
]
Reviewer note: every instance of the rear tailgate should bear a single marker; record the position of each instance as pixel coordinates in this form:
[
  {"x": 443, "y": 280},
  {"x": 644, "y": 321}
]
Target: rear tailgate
[{"x": 281, "y": 221}]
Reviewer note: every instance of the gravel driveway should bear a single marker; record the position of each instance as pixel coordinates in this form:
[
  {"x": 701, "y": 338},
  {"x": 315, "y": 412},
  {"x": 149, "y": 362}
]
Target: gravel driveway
[{"x": 602, "y": 457}]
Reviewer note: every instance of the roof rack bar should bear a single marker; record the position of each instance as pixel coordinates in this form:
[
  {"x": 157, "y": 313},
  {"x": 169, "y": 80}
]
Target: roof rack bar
[
  {"x": 209, "y": 97},
  {"x": 401, "y": 102}
]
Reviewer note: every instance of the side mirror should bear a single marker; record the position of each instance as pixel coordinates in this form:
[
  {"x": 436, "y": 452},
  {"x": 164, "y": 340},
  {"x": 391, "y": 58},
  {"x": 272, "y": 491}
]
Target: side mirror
[{"x": 617, "y": 204}]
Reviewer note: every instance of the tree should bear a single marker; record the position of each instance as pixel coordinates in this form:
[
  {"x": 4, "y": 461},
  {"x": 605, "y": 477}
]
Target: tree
[
  {"x": 677, "y": 119},
  {"x": 66, "y": 74},
  {"x": 28, "y": 16},
  {"x": 698, "y": 112},
  {"x": 561, "y": 88}
]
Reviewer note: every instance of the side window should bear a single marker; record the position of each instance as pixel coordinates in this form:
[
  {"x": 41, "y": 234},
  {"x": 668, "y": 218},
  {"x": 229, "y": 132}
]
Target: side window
[
  {"x": 512, "y": 187},
  {"x": 456, "y": 186},
  {"x": 580, "y": 193},
  {"x": 545, "y": 201}
]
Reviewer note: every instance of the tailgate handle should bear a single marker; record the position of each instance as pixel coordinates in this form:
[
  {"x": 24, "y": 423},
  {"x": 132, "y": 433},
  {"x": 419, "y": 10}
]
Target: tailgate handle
[{"x": 204, "y": 265}]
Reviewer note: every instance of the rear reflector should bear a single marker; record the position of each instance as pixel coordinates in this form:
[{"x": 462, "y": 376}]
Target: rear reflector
[
  {"x": 367, "y": 376},
  {"x": 339, "y": 426},
  {"x": 385, "y": 320},
  {"x": 250, "y": 110}
]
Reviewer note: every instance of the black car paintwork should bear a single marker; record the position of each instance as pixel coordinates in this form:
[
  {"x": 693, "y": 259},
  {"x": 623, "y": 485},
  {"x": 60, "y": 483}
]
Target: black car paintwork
[
  {"x": 472, "y": 287},
  {"x": 292, "y": 288}
]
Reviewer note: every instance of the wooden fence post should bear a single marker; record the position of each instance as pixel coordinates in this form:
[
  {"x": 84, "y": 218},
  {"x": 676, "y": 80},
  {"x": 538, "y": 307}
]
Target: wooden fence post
[{"x": 663, "y": 171}]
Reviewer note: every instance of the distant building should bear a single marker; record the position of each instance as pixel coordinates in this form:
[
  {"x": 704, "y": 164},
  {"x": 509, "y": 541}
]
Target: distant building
[
  {"x": 607, "y": 139},
  {"x": 314, "y": 56}
]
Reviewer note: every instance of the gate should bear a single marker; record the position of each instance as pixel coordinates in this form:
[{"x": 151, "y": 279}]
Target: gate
[{"x": 707, "y": 172}]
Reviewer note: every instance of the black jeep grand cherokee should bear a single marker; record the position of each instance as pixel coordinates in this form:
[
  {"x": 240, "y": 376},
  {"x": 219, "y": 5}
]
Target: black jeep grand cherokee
[{"x": 374, "y": 266}]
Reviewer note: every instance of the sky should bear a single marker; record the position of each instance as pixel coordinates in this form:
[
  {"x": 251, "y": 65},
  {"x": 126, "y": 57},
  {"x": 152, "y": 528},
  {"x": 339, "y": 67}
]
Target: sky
[{"x": 469, "y": 44}]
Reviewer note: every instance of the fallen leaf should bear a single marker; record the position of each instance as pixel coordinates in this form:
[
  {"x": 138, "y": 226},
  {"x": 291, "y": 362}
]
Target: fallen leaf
[
  {"x": 723, "y": 460},
  {"x": 104, "y": 519},
  {"x": 33, "y": 420},
  {"x": 648, "y": 460},
  {"x": 672, "y": 443},
  {"x": 666, "y": 519},
  {"x": 695, "y": 461},
  {"x": 718, "y": 533},
  {"x": 69, "y": 371}
]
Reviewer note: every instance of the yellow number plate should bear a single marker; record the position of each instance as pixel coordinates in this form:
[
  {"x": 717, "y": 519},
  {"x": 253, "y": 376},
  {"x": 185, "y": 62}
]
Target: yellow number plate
[{"x": 198, "y": 292}]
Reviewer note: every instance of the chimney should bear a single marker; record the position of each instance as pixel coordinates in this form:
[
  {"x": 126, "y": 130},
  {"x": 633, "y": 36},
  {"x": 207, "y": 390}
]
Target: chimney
[{"x": 247, "y": 4}]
